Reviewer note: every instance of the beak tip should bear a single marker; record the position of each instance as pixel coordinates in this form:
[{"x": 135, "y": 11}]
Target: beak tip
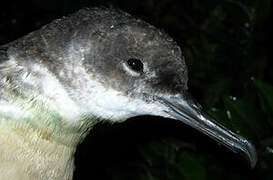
[
  {"x": 249, "y": 152},
  {"x": 252, "y": 155}
]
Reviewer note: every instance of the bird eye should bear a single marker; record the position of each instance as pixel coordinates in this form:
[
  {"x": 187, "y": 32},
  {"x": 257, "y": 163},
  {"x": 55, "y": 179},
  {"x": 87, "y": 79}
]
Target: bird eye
[{"x": 135, "y": 64}]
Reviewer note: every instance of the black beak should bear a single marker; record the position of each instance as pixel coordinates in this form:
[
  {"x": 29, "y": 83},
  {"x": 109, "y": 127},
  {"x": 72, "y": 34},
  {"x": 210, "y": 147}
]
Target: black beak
[{"x": 185, "y": 109}]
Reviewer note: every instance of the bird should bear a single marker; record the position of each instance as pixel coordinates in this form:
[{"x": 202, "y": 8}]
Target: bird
[{"x": 97, "y": 64}]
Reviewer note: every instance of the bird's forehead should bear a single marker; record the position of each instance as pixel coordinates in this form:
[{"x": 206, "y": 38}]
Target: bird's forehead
[{"x": 145, "y": 36}]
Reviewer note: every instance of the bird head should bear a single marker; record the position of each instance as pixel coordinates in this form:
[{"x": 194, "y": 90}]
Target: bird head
[{"x": 131, "y": 68}]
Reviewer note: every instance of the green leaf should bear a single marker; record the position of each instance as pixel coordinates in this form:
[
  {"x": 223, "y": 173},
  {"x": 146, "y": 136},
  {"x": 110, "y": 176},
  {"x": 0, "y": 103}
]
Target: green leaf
[
  {"x": 191, "y": 167},
  {"x": 146, "y": 175},
  {"x": 243, "y": 118},
  {"x": 266, "y": 92}
]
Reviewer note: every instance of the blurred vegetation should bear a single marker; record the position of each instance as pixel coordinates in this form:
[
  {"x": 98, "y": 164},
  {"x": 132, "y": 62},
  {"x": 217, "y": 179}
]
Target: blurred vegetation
[{"x": 227, "y": 48}]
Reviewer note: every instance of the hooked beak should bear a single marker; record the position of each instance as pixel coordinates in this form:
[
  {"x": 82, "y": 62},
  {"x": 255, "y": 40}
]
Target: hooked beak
[{"x": 185, "y": 109}]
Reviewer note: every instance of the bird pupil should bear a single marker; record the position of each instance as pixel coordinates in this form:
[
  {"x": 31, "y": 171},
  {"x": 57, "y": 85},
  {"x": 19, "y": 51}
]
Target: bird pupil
[{"x": 135, "y": 64}]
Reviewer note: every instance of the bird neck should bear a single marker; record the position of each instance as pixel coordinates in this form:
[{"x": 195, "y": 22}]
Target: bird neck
[
  {"x": 40, "y": 118},
  {"x": 37, "y": 142}
]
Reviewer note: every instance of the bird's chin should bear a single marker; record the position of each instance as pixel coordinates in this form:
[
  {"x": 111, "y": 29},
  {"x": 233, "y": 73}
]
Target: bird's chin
[{"x": 185, "y": 109}]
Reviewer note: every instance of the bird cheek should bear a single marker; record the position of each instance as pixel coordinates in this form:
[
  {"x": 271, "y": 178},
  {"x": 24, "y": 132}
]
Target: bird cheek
[{"x": 167, "y": 83}]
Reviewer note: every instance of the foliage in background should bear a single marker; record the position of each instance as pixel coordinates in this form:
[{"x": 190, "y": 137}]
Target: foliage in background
[{"x": 230, "y": 70}]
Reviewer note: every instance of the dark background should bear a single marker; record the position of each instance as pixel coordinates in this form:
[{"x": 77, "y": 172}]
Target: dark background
[{"x": 227, "y": 48}]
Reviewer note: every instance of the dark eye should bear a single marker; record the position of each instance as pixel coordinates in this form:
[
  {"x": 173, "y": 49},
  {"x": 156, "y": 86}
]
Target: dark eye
[{"x": 135, "y": 64}]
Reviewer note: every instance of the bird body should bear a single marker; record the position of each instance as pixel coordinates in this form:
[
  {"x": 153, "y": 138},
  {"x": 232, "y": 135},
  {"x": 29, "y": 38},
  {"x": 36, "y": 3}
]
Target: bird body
[
  {"x": 30, "y": 153},
  {"x": 97, "y": 64}
]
